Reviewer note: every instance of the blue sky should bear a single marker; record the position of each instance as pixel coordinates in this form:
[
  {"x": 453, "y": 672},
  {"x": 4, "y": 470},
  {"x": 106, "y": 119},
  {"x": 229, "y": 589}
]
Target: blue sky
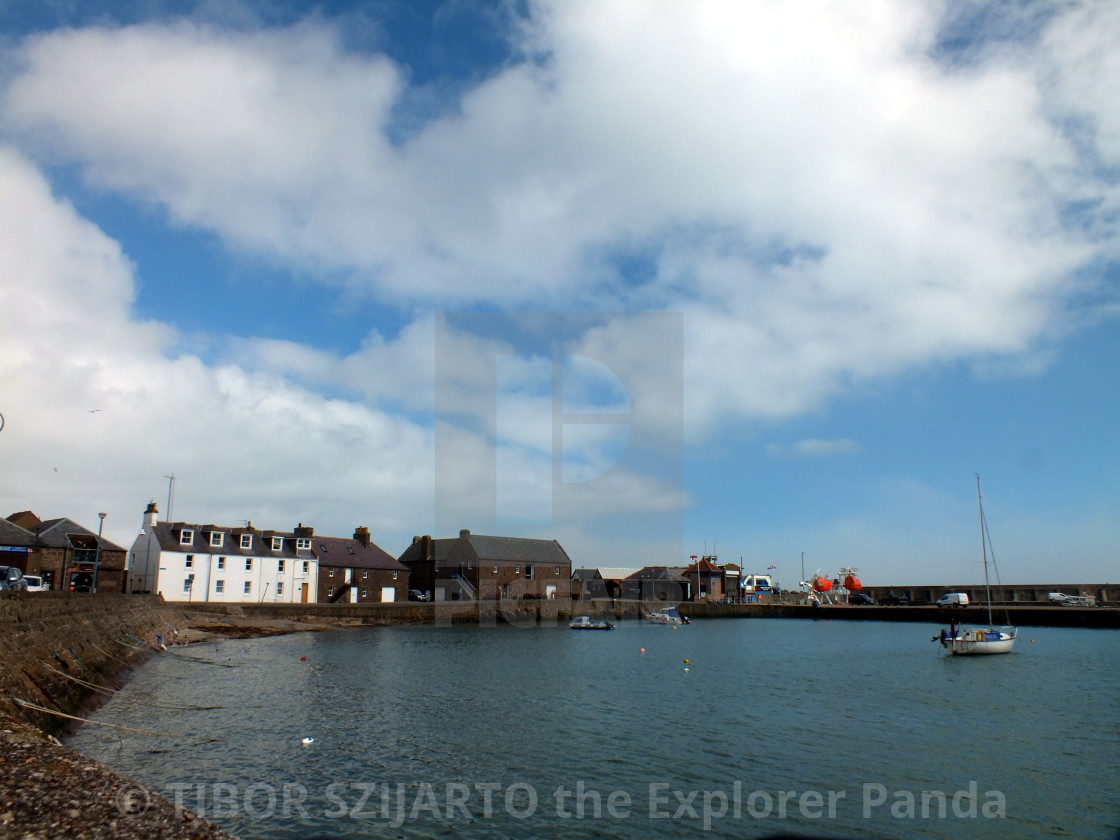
[{"x": 674, "y": 278}]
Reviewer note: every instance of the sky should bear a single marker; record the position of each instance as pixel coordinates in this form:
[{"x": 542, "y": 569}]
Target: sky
[{"x": 769, "y": 281}]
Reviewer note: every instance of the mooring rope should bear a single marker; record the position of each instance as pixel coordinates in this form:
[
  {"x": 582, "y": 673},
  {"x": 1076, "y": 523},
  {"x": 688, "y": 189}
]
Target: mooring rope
[{"x": 27, "y": 705}]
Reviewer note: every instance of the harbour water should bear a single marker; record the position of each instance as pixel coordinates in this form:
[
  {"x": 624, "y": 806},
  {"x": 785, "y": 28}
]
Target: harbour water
[{"x": 723, "y": 728}]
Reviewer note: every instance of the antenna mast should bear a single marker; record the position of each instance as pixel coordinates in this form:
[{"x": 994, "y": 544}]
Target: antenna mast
[{"x": 170, "y": 495}]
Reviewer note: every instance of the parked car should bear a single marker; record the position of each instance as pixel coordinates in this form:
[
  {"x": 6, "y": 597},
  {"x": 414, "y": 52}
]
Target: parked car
[
  {"x": 953, "y": 599},
  {"x": 35, "y": 583},
  {"x": 417, "y": 595},
  {"x": 12, "y": 578},
  {"x": 81, "y": 582},
  {"x": 861, "y": 600},
  {"x": 894, "y": 599}
]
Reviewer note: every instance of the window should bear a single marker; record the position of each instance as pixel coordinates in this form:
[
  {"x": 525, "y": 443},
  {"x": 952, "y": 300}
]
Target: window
[
  {"x": 517, "y": 569},
  {"x": 528, "y": 572},
  {"x": 217, "y": 539},
  {"x": 221, "y": 563},
  {"x": 189, "y": 562},
  {"x": 279, "y": 565},
  {"x": 219, "y": 587},
  {"x": 306, "y": 564},
  {"x": 186, "y": 537},
  {"x": 365, "y": 574},
  {"x": 277, "y": 543},
  {"x": 188, "y": 583},
  {"x": 279, "y": 587},
  {"x": 246, "y": 540},
  {"x": 394, "y": 575},
  {"x": 330, "y": 573},
  {"x": 248, "y": 587},
  {"x": 470, "y": 562},
  {"x": 495, "y": 568},
  {"x": 557, "y": 570},
  {"x": 303, "y": 544},
  {"x": 248, "y": 564},
  {"x": 365, "y": 592},
  {"x": 330, "y": 591}
]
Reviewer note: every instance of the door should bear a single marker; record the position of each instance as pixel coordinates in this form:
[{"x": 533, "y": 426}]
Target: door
[
  {"x": 388, "y": 594},
  {"x": 303, "y": 594}
]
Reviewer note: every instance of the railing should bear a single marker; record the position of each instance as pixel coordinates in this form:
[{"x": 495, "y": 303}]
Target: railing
[{"x": 466, "y": 586}]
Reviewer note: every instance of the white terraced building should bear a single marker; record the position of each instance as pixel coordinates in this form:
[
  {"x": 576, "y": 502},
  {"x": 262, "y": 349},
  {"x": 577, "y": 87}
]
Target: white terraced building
[{"x": 189, "y": 562}]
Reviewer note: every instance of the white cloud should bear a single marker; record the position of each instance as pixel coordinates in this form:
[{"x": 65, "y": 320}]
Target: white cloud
[
  {"x": 96, "y": 415},
  {"x": 814, "y": 448},
  {"x": 823, "y": 200}
]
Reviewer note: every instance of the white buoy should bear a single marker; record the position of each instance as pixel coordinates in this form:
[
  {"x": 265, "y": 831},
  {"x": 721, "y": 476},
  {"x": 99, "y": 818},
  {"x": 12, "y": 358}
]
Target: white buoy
[{"x": 307, "y": 741}]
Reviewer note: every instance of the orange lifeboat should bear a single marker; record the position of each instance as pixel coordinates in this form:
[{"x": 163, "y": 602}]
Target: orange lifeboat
[
  {"x": 822, "y": 584},
  {"x": 852, "y": 583}
]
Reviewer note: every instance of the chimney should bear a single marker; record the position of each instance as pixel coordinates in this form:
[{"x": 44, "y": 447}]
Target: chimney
[
  {"x": 426, "y": 552},
  {"x": 362, "y": 535},
  {"x": 151, "y": 516},
  {"x": 464, "y": 534},
  {"x": 303, "y": 532}
]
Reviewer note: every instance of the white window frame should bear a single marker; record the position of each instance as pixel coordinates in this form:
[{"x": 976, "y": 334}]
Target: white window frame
[
  {"x": 221, "y": 563},
  {"x": 279, "y": 587},
  {"x": 277, "y": 543},
  {"x": 186, "y": 537},
  {"x": 248, "y": 588},
  {"x": 189, "y": 562},
  {"x": 280, "y": 565},
  {"x": 303, "y": 544},
  {"x": 246, "y": 540},
  {"x": 220, "y": 586},
  {"x": 217, "y": 539},
  {"x": 248, "y": 564}
]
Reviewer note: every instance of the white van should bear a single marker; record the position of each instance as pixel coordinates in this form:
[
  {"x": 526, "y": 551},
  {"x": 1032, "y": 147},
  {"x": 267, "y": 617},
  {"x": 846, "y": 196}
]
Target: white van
[{"x": 953, "y": 599}]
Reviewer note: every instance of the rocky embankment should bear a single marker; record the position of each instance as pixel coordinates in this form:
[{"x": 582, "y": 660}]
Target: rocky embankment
[{"x": 61, "y": 655}]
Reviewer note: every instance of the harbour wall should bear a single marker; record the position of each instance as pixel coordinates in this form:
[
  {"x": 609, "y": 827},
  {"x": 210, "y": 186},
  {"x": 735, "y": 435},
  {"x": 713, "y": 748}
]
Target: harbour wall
[
  {"x": 56, "y": 645},
  {"x": 550, "y": 612}
]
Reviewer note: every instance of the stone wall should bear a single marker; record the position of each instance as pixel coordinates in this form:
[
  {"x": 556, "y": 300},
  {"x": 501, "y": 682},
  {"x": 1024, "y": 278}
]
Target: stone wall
[{"x": 53, "y": 642}]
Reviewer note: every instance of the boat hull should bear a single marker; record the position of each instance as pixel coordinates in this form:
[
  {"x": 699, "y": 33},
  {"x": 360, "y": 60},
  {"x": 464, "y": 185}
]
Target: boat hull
[{"x": 970, "y": 645}]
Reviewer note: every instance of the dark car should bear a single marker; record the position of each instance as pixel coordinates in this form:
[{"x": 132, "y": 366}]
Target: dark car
[
  {"x": 861, "y": 600},
  {"x": 12, "y": 578},
  {"x": 417, "y": 595},
  {"x": 81, "y": 582},
  {"x": 894, "y": 599}
]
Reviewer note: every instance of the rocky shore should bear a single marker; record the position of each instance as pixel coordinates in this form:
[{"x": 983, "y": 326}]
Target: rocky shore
[{"x": 62, "y": 657}]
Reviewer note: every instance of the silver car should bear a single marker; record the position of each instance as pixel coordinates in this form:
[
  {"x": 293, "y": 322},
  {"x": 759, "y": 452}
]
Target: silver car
[
  {"x": 35, "y": 583},
  {"x": 12, "y": 578}
]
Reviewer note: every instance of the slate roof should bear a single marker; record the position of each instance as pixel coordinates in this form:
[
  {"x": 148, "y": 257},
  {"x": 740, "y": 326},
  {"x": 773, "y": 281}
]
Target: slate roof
[
  {"x": 518, "y": 549},
  {"x": 14, "y": 535},
  {"x": 584, "y": 575},
  {"x": 57, "y": 533},
  {"x": 349, "y": 552},
  {"x": 168, "y": 534},
  {"x": 658, "y": 573}
]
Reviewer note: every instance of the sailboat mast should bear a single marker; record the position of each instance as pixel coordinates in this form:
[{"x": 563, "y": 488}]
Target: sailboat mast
[{"x": 984, "y": 548}]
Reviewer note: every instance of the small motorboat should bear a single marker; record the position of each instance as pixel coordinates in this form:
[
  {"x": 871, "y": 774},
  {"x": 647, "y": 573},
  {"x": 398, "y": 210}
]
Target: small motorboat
[
  {"x": 586, "y": 622},
  {"x": 667, "y": 615}
]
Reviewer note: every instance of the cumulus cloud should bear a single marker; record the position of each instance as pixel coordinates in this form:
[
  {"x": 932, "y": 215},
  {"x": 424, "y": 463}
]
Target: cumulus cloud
[{"x": 823, "y": 195}]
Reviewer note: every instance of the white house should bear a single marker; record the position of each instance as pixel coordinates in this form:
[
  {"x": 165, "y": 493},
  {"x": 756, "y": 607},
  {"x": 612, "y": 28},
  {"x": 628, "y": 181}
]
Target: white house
[{"x": 210, "y": 563}]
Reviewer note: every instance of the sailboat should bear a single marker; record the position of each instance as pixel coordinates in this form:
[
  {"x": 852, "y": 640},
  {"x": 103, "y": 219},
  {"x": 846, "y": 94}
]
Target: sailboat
[{"x": 981, "y": 640}]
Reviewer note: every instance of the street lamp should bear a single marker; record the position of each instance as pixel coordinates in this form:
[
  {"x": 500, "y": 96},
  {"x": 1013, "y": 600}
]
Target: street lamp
[{"x": 97, "y": 560}]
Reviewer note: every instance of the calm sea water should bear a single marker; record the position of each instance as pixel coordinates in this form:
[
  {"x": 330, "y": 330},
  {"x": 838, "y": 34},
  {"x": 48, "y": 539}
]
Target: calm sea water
[{"x": 823, "y": 728}]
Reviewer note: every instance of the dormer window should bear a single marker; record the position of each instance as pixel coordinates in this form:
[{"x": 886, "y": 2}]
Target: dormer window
[
  {"x": 186, "y": 537},
  {"x": 277, "y": 543},
  {"x": 246, "y": 540},
  {"x": 303, "y": 544},
  {"x": 216, "y": 539}
]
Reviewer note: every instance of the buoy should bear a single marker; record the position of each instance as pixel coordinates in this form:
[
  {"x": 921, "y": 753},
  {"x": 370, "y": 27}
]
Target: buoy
[
  {"x": 303, "y": 659},
  {"x": 686, "y": 662},
  {"x": 307, "y": 741},
  {"x": 686, "y": 670},
  {"x": 643, "y": 650}
]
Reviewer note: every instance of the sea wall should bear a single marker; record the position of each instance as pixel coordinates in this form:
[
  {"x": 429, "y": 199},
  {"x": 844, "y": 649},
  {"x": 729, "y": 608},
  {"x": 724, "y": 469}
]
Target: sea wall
[{"x": 55, "y": 645}]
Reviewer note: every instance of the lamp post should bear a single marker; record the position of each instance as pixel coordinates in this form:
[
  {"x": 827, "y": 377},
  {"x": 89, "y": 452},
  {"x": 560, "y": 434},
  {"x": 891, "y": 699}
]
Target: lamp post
[{"x": 97, "y": 559}]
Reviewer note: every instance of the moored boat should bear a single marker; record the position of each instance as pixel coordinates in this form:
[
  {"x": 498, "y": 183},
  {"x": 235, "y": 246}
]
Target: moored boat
[
  {"x": 586, "y": 622},
  {"x": 667, "y": 615},
  {"x": 982, "y": 640}
]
